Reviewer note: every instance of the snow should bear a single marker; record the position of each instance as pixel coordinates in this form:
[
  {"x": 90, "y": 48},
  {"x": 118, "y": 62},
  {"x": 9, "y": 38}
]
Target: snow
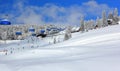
[
  {"x": 96, "y": 50},
  {"x": 8, "y": 41},
  {"x": 75, "y": 28}
]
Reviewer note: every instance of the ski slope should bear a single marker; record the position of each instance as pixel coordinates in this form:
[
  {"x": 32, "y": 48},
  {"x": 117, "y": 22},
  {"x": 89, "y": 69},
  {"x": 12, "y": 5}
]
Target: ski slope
[{"x": 96, "y": 50}]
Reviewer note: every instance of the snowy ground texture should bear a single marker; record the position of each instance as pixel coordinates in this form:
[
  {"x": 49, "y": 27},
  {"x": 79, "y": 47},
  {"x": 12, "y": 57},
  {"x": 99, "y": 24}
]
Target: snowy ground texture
[{"x": 96, "y": 50}]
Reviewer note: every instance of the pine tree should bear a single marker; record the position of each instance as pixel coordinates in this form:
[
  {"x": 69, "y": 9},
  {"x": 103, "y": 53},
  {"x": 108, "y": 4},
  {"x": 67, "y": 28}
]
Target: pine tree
[
  {"x": 66, "y": 36},
  {"x": 86, "y": 26},
  {"x": 104, "y": 19},
  {"x": 4, "y": 36},
  {"x": 110, "y": 18},
  {"x": 110, "y": 15},
  {"x": 116, "y": 17},
  {"x": 116, "y": 12},
  {"x": 99, "y": 22},
  {"x": 82, "y": 27},
  {"x": 91, "y": 24},
  {"x": 54, "y": 41}
]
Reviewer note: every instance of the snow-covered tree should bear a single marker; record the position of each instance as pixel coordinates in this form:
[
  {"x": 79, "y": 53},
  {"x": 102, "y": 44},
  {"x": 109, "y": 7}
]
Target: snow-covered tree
[
  {"x": 110, "y": 15},
  {"x": 82, "y": 27},
  {"x": 99, "y": 22},
  {"x": 113, "y": 17},
  {"x": 54, "y": 41},
  {"x": 68, "y": 34},
  {"x": 4, "y": 36},
  {"x": 116, "y": 12},
  {"x": 104, "y": 19},
  {"x": 91, "y": 24},
  {"x": 86, "y": 26},
  {"x": 116, "y": 17},
  {"x": 110, "y": 18}
]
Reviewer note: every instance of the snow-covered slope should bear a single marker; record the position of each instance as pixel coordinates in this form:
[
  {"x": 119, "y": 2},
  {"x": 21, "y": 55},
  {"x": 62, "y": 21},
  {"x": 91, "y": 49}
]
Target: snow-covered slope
[{"x": 96, "y": 50}]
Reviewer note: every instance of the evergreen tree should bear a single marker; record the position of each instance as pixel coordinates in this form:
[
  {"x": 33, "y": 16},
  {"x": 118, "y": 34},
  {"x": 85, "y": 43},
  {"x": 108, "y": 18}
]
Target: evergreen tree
[
  {"x": 110, "y": 15},
  {"x": 54, "y": 41},
  {"x": 99, "y": 22},
  {"x": 104, "y": 19},
  {"x": 110, "y": 18},
  {"x": 82, "y": 27},
  {"x": 91, "y": 24},
  {"x": 116, "y": 17},
  {"x": 86, "y": 26},
  {"x": 66, "y": 36},
  {"x": 116, "y": 12}
]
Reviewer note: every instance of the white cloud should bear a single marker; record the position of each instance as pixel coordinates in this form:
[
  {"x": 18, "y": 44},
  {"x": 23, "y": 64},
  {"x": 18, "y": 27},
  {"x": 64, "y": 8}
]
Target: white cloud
[
  {"x": 50, "y": 13},
  {"x": 94, "y": 8}
]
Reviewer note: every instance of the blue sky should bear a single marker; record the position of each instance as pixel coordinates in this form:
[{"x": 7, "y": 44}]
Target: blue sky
[{"x": 55, "y": 11}]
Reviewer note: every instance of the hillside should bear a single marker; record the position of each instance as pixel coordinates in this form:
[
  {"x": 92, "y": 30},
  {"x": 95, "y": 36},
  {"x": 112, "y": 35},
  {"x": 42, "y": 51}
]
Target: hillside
[{"x": 95, "y": 50}]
